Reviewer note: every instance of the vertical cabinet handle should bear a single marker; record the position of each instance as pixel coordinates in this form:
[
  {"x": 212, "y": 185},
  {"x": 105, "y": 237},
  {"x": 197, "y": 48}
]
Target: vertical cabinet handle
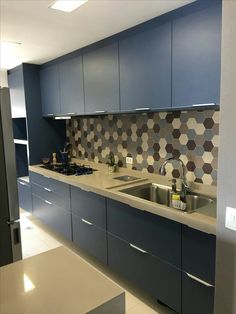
[
  {"x": 87, "y": 222},
  {"x": 199, "y": 280},
  {"x": 137, "y": 248}
]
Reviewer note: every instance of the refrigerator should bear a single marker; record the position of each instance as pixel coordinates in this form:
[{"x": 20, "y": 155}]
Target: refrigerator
[{"x": 10, "y": 237}]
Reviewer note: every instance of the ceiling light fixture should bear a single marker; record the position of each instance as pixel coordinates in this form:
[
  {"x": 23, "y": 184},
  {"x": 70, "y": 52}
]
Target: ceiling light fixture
[
  {"x": 67, "y": 5},
  {"x": 9, "y": 54}
]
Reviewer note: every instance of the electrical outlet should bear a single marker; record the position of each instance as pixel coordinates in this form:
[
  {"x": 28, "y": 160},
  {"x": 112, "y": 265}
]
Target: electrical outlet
[
  {"x": 129, "y": 160},
  {"x": 230, "y": 218}
]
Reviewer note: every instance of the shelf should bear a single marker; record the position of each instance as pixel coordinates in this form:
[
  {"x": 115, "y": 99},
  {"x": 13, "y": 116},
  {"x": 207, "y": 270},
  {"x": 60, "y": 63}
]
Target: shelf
[{"x": 22, "y": 142}]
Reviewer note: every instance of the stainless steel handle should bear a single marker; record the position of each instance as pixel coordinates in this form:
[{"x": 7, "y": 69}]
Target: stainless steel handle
[
  {"x": 142, "y": 109},
  {"x": 199, "y": 280},
  {"x": 22, "y": 183},
  {"x": 202, "y": 105},
  {"x": 50, "y": 114},
  {"x": 71, "y": 113},
  {"x": 87, "y": 222},
  {"x": 47, "y": 202},
  {"x": 46, "y": 189},
  {"x": 100, "y": 111},
  {"x": 137, "y": 248}
]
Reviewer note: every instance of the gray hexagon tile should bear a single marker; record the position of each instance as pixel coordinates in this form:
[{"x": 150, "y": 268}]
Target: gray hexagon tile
[{"x": 150, "y": 138}]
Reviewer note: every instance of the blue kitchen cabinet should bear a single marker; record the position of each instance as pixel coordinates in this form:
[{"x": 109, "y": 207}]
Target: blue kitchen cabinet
[
  {"x": 71, "y": 86},
  {"x": 145, "y": 69},
  {"x": 197, "y": 57},
  {"x": 198, "y": 271},
  {"x": 17, "y": 92},
  {"x": 24, "y": 194},
  {"x": 50, "y": 94},
  {"x": 101, "y": 80}
]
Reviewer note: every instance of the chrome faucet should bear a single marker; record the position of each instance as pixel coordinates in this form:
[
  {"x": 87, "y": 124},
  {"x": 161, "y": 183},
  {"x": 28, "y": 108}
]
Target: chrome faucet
[{"x": 185, "y": 188}]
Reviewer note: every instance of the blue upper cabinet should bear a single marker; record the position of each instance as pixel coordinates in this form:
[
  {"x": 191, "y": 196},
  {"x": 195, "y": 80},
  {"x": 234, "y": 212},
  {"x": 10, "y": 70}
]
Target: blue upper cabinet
[
  {"x": 196, "y": 57},
  {"x": 145, "y": 69},
  {"x": 71, "y": 86},
  {"x": 101, "y": 80},
  {"x": 17, "y": 92},
  {"x": 50, "y": 95}
]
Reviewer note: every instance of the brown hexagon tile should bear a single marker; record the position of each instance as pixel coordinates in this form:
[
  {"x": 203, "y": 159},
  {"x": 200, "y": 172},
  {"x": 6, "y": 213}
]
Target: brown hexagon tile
[{"x": 191, "y": 145}]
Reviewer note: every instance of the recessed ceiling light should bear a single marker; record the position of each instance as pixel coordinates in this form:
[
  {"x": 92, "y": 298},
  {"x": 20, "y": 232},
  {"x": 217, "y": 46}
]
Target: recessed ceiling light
[
  {"x": 10, "y": 55},
  {"x": 67, "y": 5}
]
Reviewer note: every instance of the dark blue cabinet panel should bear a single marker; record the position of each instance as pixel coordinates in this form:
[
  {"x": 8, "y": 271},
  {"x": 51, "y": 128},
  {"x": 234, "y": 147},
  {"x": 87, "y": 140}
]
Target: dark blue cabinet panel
[
  {"x": 71, "y": 86},
  {"x": 17, "y": 93},
  {"x": 89, "y": 206},
  {"x": 101, "y": 79},
  {"x": 198, "y": 254},
  {"x": 50, "y": 96},
  {"x": 158, "y": 278},
  {"x": 25, "y": 197},
  {"x": 145, "y": 69},
  {"x": 159, "y": 236},
  {"x": 90, "y": 238},
  {"x": 196, "y": 297},
  {"x": 196, "y": 57}
]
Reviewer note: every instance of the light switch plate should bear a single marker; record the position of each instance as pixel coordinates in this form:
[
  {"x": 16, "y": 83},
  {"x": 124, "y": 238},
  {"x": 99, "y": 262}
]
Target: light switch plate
[
  {"x": 230, "y": 218},
  {"x": 129, "y": 160}
]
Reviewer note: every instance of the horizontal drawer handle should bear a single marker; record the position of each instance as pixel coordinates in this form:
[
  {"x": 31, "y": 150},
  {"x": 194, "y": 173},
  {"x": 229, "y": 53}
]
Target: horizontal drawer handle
[
  {"x": 46, "y": 189},
  {"x": 87, "y": 222},
  {"x": 22, "y": 183},
  {"x": 199, "y": 280},
  {"x": 142, "y": 109},
  {"x": 46, "y": 177},
  {"x": 137, "y": 248},
  {"x": 47, "y": 202},
  {"x": 201, "y": 105},
  {"x": 100, "y": 111},
  {"x": 50, "y": 114},
  {"x": 71, "y": 113}
]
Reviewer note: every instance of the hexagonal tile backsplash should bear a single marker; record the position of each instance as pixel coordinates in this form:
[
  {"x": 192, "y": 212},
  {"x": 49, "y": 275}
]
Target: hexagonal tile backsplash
[{"x": 150, "y": 138}]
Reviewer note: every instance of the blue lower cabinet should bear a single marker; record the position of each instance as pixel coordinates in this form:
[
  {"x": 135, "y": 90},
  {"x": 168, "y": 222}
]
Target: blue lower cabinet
[
  {"x": 156, "y": 277},
  {"x": 197, "y": 296},
  {"x": 25, "y": 197},
  {"x": 90, "y": 238},
  {"x": 54, "y": 216}
]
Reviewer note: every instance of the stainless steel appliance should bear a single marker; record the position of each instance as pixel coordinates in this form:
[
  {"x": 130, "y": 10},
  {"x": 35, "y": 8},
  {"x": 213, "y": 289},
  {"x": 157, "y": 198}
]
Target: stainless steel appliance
[{"x": 10, "y": 239}]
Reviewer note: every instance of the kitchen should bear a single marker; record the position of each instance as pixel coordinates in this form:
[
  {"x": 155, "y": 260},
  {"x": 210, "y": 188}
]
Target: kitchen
[{"x": 150, "y": 100}]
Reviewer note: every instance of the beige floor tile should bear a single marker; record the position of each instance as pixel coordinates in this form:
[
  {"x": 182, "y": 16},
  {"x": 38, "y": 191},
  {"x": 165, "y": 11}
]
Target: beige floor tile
[
  {"x": 141, "y": 308},
  {"x": 130, "y": 301}
]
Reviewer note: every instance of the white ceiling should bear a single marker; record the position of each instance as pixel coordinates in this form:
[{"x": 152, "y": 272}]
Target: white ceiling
[{"x": 45, "y": 34}]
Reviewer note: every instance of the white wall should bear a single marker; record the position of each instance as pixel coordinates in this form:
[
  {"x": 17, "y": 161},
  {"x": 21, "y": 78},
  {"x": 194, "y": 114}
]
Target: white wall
[
  {"x": 225, "y": 300},
  {"x": 3, "y": 78}
]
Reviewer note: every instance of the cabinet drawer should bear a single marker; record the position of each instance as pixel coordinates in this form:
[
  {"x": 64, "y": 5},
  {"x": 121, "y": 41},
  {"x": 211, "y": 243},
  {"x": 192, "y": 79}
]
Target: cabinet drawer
[
  {"x": 153, "y": 275},
  {"x": 159, "y": 236},
  {"x": 55, "y": 186},
  {"x": 90, "y": 238},
  {"x": 25, "y": 197},
  {"x": 198, "y": 254},
  {"x": 89, "y": 206},
  {"x": 61, "y": 200},
  {"x": 196, "y": 296},
  {"x": 54, "y": 216}
]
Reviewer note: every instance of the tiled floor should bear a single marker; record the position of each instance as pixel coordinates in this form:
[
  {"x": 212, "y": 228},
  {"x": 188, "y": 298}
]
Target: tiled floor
[{"x": 38, "y": 238}]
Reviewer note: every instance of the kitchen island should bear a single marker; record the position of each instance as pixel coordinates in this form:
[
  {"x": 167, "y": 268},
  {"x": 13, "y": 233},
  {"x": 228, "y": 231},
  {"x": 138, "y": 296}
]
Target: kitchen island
[{"x": 57, "y": 282}]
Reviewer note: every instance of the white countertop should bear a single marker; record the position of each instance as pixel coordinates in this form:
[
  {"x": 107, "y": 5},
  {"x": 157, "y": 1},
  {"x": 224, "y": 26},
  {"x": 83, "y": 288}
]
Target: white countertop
[{"x": 103, "y": 183}]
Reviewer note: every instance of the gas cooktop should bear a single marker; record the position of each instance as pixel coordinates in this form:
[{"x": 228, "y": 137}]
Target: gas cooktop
[{"x": 70, "y": 169}]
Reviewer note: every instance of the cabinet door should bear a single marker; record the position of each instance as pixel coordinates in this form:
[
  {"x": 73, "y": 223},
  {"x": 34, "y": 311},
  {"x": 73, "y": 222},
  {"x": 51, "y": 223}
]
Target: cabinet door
[
  {"x": 196, "y": 57},
  {"x": 198, "y": 254},
  {"x": 90, "y": 238},
  {"x": 17, "y": 93},
  {"x": 25, "y": 197},
  {"x": 71, "y": 87},
  {"x": 197, "y": 298},
  {"x": 101, "y": 80},
  {"x": 157, "y": 235},
  {"x": 50, "y": 97},
  {"x": 156, "y": 277},
  {"x": 145, "y": 69}
]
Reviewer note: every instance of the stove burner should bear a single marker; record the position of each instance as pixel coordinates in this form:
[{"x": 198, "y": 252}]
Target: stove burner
[{"x": 70, "y": 169}]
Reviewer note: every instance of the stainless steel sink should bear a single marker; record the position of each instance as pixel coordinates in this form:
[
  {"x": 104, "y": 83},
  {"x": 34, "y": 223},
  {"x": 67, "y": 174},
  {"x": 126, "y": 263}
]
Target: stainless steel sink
[
  {"x": 151, "y": 192},
  {"x": 163, "y": 195},
  {"x": 126, "y": 178}
]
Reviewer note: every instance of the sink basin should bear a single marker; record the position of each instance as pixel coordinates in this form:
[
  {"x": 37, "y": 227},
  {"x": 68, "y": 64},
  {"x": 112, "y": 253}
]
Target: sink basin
[
  {"x": 151, "y": 192},
  {"x": 163, "y": 195},
  {"x": 126, "y": 178}
]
